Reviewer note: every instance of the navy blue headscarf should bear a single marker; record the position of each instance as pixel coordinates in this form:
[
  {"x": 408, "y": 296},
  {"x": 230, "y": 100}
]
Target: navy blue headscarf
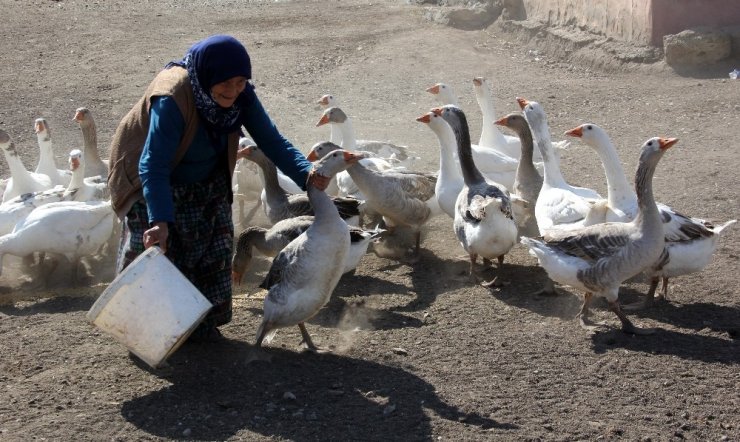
[{"x": 211, "y": 61}]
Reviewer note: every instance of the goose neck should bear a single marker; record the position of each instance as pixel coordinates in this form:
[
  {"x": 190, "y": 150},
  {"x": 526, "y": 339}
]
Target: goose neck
[
  {"x": 90, "y": 139},
  {"x": 648, "y": 215},
  {"x": 471, "y": 174},
  {"x": 270, "y": 181},
  {"x": 323, "y": 207},
  {"x": 619, "y": 190},
  {"x": 349, "y": 141}
]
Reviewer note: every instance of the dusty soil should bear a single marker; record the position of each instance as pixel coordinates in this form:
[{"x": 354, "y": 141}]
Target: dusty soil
[{"x": 418, "y": 353}]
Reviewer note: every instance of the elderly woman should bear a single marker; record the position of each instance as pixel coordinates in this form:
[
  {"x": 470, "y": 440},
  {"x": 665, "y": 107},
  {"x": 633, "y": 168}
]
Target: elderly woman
[{"x": 172, "y": 158}]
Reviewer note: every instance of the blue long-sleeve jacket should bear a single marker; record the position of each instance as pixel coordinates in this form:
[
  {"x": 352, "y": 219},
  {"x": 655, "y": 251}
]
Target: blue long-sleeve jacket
[{"x": 166, "y": 126}]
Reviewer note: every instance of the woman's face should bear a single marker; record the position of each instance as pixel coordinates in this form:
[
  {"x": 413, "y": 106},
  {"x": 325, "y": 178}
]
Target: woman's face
[{"x": 226, "y": 92}]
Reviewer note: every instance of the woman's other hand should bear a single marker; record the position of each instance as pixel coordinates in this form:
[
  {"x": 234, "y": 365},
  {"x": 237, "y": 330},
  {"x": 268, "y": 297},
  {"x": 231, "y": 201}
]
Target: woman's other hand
[{"x": 317, "y": 180}]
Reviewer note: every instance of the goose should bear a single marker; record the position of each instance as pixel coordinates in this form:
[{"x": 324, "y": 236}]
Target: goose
[
  {"x": 400, "y": 197},
  {"x": 689, "y": 242},
  {"x": 386, "y": 154},
  {"x": 598, "y": 258},
  {"x": 279, "y": 205},
  {"x": 490, "y": 135},
  {"x": 445, "y": 93},
  {"x": 94, "y": 165},
  {"x": 81, "y": 188},
  {"x": 483, "y": 222},
  {"x": 271, "y": 241},
  {"x": 559, "y": 205},
  {"x": 46, "y": 164},
  {"x": 247, "y": 185},
  {"x": 304, "y": 274},
  {"x": 70, "y": 228},
  {"x": 528, "y": 181},
  {"x": 335, "y": 135},
  {"x": 21, "y": 181}
]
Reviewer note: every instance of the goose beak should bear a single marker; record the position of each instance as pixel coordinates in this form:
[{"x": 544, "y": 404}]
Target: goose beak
[
  {"x": 666, "y": 143},
  {"x": 575, "y": 132},
  {"x": 478, "y": 81},
  {"x": 503, "y": 121},
  {"x": 324, "y": 119},
  {"x": 523, "y": 102},
  {"x": 434, "y": 89},
  {"x": 38, "y": 127},
  {"x": 78, "y": 116},
  {"x": 426, "y": 118},
  {"x": 312, "y": 156},
  {"x": 324, "y": 101},
  {"x": 437, "y": 111},
  {"x": 75, "y": 163},
  {"x": 352, "y": 158}
]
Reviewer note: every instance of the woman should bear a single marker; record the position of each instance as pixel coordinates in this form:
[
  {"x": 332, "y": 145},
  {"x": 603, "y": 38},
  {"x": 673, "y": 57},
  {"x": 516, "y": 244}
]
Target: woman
[{"x": 172, "y": 158}]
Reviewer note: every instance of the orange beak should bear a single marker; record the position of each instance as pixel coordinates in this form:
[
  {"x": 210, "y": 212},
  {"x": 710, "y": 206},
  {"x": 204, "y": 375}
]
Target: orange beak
[
  {"x": 38, "y": 127},
  {"x": 426, "y": 118},
  {"x": 575, "y": 132},
  {"x": 523, "y": 102},
  {"x": 312, "y": 156},
  {"x": 78, "y": 116},
  {"x": 478, "y": 81},
  {"x": 75, "y": 162},
  {"x": 437, "y": 111},
  {"x": 324, "y": 119},
  {"x": 504, "y": 121},
  {"x": 434, "y": 89},
  {"x": 351, "y": 157},
  {"x": 324, "y": 101},
  {"x": 666, "y": 143}
]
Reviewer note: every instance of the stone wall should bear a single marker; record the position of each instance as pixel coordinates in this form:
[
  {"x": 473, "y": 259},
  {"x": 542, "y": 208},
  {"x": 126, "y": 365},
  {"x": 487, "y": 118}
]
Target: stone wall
[{"x": 639, "y": 21}]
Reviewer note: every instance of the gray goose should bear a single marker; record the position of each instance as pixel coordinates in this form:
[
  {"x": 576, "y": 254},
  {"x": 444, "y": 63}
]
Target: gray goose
[
  {"x": 598, "y": 258},
  {"x": 402, "y": 198},
  {"x": 280, "y": 205},
  {"x": 94, "y": 166},
  {"x": 527, "y": 182},
  {"x": 304, "y": 274}
]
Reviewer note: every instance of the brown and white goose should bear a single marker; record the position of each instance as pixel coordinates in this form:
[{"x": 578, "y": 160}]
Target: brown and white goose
[
  {"x": 401, "y": 198},
  {"x": 280, "y": 205},
  {"x": 304, "y": 274},
  {"x": 94, "y": 165},
  {"x": 483, "y": 222},
  {"x": 598, "y": 258}
]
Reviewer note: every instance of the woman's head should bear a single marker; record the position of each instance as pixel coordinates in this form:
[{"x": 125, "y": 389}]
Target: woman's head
[{"x": 219, "y": 67}]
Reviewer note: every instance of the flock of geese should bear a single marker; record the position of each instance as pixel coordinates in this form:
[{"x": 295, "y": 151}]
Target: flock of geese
[{"x": 504, "y": 190}]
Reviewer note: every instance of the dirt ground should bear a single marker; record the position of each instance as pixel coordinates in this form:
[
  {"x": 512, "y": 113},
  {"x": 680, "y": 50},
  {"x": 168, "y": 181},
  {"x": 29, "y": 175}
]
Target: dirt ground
[{"x": 418, "y": 352}]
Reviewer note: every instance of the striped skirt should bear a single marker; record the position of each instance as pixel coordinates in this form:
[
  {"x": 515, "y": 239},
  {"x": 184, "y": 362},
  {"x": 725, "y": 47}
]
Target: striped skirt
[{"x": 199, "y": 244}]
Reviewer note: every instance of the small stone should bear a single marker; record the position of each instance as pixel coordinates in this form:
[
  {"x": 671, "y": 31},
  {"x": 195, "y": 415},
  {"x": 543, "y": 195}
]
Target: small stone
[
  {"x": 548, "y": 427},
  {"x": 389, "y": 409},
  {"x": 288, "y": 396},
  {"x": 187, "y": 432},
  {"x": 400, "y": 351}
]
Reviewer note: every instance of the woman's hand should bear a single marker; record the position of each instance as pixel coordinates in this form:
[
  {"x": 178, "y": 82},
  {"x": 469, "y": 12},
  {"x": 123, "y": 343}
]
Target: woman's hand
[
  {"x": 317, "y": 180},
  {"x": 157, "y": 235}
]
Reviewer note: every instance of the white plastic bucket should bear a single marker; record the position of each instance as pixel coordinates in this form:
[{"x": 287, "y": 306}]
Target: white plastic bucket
[{"x": 150, "y": 307}]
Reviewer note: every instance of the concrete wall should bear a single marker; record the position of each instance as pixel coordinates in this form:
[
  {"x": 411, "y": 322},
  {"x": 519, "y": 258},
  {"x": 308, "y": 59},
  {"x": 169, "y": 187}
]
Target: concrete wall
[{"x": 642, "y": 21}]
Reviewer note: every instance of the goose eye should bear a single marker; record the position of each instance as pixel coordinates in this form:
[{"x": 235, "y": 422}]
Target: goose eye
[
  {"x": 589, "y": 127},
  {"x": 650, "y": 143}
]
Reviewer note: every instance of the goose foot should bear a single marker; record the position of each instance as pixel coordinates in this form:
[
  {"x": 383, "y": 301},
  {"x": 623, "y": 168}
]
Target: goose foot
[
  {"x": 589, "y": 325},
  {"x": 627, "y": 326},
  {"x": 307, "y": 343},
  {"x": 645, "y": 303},
  {"x": 493, "y": 283},
  {"x": 548, "y": 289}
]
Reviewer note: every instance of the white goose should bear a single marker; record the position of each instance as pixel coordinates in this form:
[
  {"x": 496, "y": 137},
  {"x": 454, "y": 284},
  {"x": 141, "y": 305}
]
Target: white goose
[
  {"x": 490, "y": 135},
  {"x": 81, "y": 188},
  {"x": 21, "y": 181},
  {"x": 246, "y": 185},
  {"x": 402, "y": 198},
  {"x": 280, "y": 205},
  {"x": 335, "y": 134},
  {"x": 270, "y": 242},
  {"x": 483, "y": 223},
  {"x": 46, "y": 165},
  {"x": 689, "y": 242},
  {"x": 598, "y": 258},
  {"x": 445, "y": 93},
  {"x": 70, "y": 228},
  {"x": 559, "y": 205},
  {"x": 94, "y": 165},
  {"x": 304, "y": 274}
]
